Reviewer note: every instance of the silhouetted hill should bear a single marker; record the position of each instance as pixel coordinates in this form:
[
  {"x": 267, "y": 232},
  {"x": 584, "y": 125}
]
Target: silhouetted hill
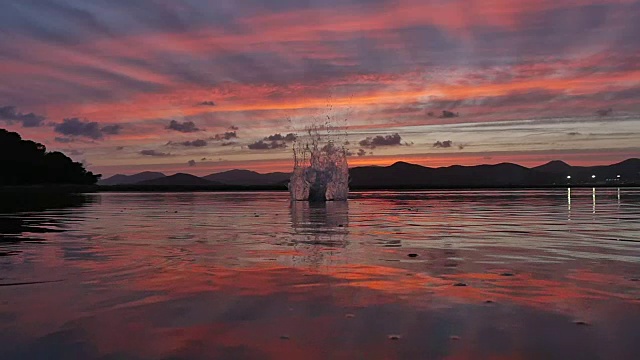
[
  {"x": 25, "y": 162},
  {"x": 406, "y": 175},
  {"x": 179, "y": 179},
  {"x": 628, "y": 171},
  {"x": 555, "y": 166},
  {"x": 248, "y": 178},
  {"x": 120, "y": 179},
  {"x": 403, "y": 174}
]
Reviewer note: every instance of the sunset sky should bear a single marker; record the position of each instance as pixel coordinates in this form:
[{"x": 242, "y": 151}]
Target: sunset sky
[{"x": 204, "y": 86}]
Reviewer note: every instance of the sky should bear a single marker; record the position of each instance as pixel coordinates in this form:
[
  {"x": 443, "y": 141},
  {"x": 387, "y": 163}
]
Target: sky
[{"x": 205, "y": 86}]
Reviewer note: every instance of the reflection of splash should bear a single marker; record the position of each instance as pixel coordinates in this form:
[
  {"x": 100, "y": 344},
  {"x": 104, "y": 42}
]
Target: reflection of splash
[
  {"x": 321, "y": 223},
  {"x": 319, "y": 228},
  {"x": 308, "y": 218}
]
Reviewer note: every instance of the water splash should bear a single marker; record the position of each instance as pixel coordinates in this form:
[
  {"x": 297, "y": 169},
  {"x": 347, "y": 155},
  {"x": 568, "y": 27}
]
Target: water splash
[{"x": 320, "y": 170}]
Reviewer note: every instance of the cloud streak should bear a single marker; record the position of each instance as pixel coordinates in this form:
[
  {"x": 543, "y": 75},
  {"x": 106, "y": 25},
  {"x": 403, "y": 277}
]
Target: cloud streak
[
  {"x": 215, "y": 68},
  {"x": 82, "y": 128},
  {"x": 10, "y": 115},
  {"x": 381, "y": 140},
  {"x": 183, "y": 127},
  {"x": 154, "y": 153}
]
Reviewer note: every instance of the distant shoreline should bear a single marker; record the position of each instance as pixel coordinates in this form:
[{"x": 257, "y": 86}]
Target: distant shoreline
[{"x": 230, "y": 188}]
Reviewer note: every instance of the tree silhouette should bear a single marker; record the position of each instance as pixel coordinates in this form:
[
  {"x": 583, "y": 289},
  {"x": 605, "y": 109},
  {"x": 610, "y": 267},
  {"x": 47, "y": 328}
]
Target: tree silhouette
[{"x": 25, "y": 162}]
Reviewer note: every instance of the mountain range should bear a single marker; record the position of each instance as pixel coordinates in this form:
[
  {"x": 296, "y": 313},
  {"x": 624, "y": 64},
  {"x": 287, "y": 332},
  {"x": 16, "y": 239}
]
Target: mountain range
[{"x": 407, "y": 175}]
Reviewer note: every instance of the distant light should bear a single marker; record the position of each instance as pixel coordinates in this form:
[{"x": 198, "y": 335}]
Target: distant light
[
  {"x": 568, "y": 176},
  {"x": 593, "y": 176},
  {"x": 618, "y": 176}
]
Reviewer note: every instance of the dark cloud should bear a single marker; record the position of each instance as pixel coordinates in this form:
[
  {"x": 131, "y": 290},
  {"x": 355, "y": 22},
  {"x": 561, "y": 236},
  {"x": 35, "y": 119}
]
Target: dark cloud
[
  {"x": 229, "y": 143},
  {"x": 191, "y": 163},
  {"x": 446, "y": 114},
  {"x": 290, "y": 137},
  {"x": 574, "y": 133},
  {"x": 77, "y": 127},
  {"x": 193, "y": 143},
  {"x": 185, "y": 127},
  {"x": 154, "y": 153},
  {"x": 267, "y": 145},
  {"x": 386, "y": 140},
  {"x": 443, "y": 144},
  {"x": 63, "y": 140},
  {"x": 207, "y": 103},
  {"x": 604, "y": 112},
  {"x": 111, "y": 129},
  {"x": 234, "y": 128},
  {"x": 10, "y": 115},
  {"x": 225, "y": 136},
  {"x": 362, "y": 152},
  {"x": 120, "y": 148}
]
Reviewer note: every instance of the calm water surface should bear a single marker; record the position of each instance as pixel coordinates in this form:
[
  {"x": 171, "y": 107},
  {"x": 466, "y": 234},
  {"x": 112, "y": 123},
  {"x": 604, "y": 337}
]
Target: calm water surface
[{"x": 494, "y": 274}]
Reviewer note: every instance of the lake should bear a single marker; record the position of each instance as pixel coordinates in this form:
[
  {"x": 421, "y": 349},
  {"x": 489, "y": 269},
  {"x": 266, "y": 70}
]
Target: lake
[{"x": 527, "y": 274}]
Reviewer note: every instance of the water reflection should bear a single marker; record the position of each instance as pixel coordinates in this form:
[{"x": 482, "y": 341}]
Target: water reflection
[
  {"x": 327, "y": 222},
  {"x": 568, "y": 203},
  {"x": 23, "y": 216},
  {"x": 210, "y": 275}
]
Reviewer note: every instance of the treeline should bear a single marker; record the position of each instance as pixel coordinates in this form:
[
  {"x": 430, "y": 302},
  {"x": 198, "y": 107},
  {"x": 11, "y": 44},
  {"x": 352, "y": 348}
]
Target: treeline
[{"x": 25, "y": 162}]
